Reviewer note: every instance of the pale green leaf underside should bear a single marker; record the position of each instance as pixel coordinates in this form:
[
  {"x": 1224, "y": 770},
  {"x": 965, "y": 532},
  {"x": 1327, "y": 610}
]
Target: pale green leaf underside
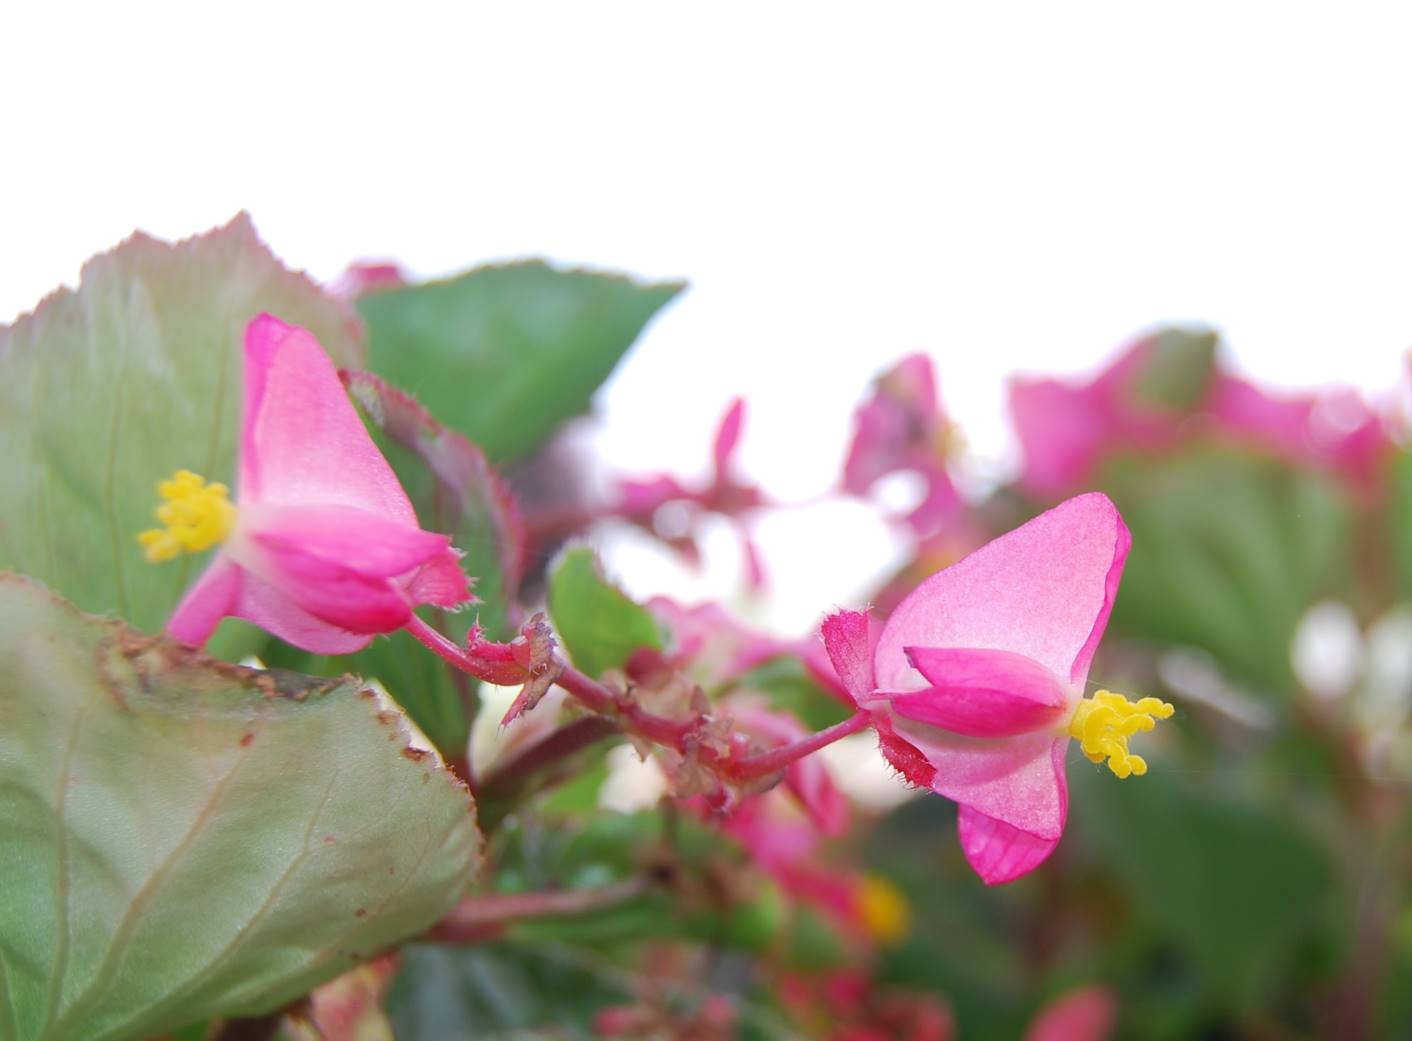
[
  {"x": 181, "y": 839},
  {"x": 106, "y": 389}
]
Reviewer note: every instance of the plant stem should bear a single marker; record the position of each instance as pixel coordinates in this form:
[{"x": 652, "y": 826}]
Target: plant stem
[
  {"x": 481, "y": 917},
  {"x": 499, "y": 663}
]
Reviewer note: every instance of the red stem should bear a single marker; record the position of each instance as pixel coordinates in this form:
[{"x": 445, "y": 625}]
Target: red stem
[{"x": 498, "y": 663}]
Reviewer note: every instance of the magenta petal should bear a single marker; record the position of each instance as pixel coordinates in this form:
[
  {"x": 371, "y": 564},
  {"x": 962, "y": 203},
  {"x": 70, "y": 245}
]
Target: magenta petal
[
  {"x": 211, "y": 597},
  {"x": 347, "y": 567},
  {"x": 848, "y": 639},
  {"x": 354, "y": 539},
  {"x": 302, "y": 441},
  {"x": 998, "y": 852},
  {"x": 1044, "y": 591},
  {"x": 981, "y": 693},
  {"x": 727, "y": 437},
  {"x": 278, "y": 614},
  {"x": 1018, "y": 780}
]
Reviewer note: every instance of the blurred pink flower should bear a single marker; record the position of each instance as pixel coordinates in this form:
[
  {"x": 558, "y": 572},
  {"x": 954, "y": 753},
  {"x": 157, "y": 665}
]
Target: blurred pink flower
[
  {"x": 639, "y": 499},
  {"x": 1066, "y": 429},
  {"x": 364, "y": 277},
  {"x": 1084, "y": 1014},
  {"x": 324, "y": 550},
  {"x": 976, "y": 682},
  {"x": 1333, "y": 430},
  {"x": 901, "y": 428}
]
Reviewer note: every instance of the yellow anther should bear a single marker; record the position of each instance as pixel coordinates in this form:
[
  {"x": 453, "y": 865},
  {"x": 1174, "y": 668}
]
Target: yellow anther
[
  {"x": 195, "y": 516},
  {"x": 883, "y": 910},
  {"x": 1103, "y": 723}
]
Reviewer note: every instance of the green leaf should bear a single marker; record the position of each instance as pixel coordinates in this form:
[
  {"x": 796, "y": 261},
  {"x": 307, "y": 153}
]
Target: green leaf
[
  {"x": 1228, "y": 552},
  {"x": 790, "y": 688},
  {"x": 598, "y": 623},
  {"x": 182, "y": 839},
  {"x": 502, "y": 990},
  {"x": 1177, "y": 369},
  {"x": 507, "y": 354},
  {"x": 1233, "y": 885},
  {"x": 110, "y": 388}
]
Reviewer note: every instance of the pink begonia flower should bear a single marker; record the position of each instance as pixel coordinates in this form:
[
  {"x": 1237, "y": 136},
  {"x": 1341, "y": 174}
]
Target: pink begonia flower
[
  {"x": 1334, "y": 429},
  {"x": 1085, "y": 1014},
  {"x": 323, "y": 549},
  {"x": 639, "y": 499},
  {"x": 901, "y": 428},
  {"x": 364, "y": 277},
  {"x": 1065, "y": 429},
  {"x": 976, "y": 682}
]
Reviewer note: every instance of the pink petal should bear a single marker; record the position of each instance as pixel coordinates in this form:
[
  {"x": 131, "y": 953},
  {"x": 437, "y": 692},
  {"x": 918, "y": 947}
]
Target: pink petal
[
  {"x": 998, "y": 852},
  {"x": 1018, "y": 781},
  {"x": 1062, "y": 431},
  {"x": 641, "y": 498},
  {"x": 302, "y": 441},
  {"x": 1044, "y": 591},
  {"x": 1085, "y": 1014},
  {"x": 981, "y": 693},
  {"x": 349, "y": 568},
  {"x": 727, "y": 437},
  {"x": 210, "y": 598},
  {"x": 895, "y": 429},
  {"x": 227, "y": 590},
  {"x": 848, "y": 638}
]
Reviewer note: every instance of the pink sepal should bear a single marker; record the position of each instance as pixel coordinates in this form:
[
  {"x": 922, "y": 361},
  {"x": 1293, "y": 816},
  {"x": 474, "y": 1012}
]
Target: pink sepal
[{"x": 849, "y": 638}]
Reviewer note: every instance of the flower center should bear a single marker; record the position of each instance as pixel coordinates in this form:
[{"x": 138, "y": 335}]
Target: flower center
[
  {"x": 1103, "y": 723},
  {"x": 195, "y": 516}
]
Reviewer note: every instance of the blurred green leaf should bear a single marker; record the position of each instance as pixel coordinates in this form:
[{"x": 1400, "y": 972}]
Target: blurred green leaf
[
  {"x": 506, "y": 354},
  {"x": 182, "y": 839},
  {"x": 1228, "y": 552},
  {"x": 110, "y": 388},
  {"x": 598, "y": 623},
  {"x": 499, "y": 990},
  {"x": 790, "y": 688},
  {"x": 1401, "y": 519},
  {"x": 1178, "y": 368},
  {"x": 1234, "y": 886}
]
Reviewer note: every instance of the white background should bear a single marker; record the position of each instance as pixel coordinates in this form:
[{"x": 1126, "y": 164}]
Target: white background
[{"x": 1005, "y": 186}]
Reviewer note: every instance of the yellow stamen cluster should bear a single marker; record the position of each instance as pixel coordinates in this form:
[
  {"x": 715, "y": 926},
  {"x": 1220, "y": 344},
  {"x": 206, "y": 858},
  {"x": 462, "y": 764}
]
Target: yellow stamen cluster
[
  {"x": 883, "y": 910},
  {"x": 195, "y": 515},
  {"x": 1103, "y": 723}
]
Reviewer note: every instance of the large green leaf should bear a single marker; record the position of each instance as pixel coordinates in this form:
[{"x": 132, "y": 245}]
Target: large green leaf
[
  {"x": 599, "y": 624},
  {"x": 507, "y": 354},
  {"x": 181, "y": 838},
  {"x": 107, "y": 389}
]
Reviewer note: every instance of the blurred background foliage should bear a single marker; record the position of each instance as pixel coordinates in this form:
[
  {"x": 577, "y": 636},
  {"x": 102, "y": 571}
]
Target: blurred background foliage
[{"x": 1252, "y": 885}]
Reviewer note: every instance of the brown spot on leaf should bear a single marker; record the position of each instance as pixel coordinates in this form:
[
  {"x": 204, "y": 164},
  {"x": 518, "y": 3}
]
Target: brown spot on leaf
[{"x": 246, "y": 739}]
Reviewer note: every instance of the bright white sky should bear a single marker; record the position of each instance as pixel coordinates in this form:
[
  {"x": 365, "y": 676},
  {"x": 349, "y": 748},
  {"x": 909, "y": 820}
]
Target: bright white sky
[{"x": 1006, "y": 186}]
